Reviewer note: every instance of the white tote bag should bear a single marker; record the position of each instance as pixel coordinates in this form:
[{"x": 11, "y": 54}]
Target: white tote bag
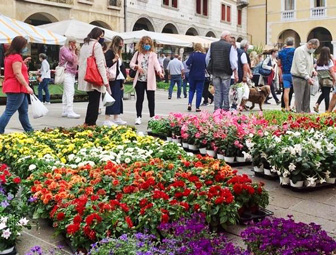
[
  {"x": 314, "y": 88},
  {"x": 38, "y": 109},
  {"x": 60, "y": 74},
  {"x": 112, "y": 72},
  {"x": 108, "y": 99}
]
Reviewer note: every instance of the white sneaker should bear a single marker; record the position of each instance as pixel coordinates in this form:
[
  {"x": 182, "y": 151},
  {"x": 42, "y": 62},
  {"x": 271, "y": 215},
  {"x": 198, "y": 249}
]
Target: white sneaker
[
  {"x": 73, "y": 115},
  {"x": 109, "y": 123},
  {"x": 119, "y": 121},
  {"x": 138, "y": 121},
  {"x": 64, "y": 114},
  {"x": 46, "y": 102}
]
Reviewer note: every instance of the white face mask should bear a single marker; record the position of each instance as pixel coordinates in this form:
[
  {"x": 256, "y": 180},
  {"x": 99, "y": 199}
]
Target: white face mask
[{"x": 311, "y": 51}]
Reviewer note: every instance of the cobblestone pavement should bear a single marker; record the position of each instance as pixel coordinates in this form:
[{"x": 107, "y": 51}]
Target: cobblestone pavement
[{"x": 318, "y": 206}]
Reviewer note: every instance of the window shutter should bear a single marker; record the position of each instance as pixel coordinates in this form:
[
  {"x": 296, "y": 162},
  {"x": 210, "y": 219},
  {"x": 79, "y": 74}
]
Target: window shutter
[
  {"x": 175, "y": 3},
  {"x": 198, "y": 6},
  {"x": 239, "y": 17},
  {"x": 228, "y": 14},
  {"x": 223, "y": 12},
  {"x": 166, "y": 2},
  {"x": 205, "y": 7}
]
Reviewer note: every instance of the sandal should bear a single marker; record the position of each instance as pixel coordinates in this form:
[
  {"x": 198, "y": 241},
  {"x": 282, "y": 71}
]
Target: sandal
[
  {"x": 316, "y": 109},
  {"x": 189, "y": 108}
]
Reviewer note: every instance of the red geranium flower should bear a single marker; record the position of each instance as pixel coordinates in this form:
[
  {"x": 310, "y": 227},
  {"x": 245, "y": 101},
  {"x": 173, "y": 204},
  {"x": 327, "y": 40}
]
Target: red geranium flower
[
  {"x": 164, "y": 218},
  {"x": 17, "y": 180},
  {"x": 129, "y": 221},
  {"x": 60, "y": 216},
  {"x": 72, "y": 229}
]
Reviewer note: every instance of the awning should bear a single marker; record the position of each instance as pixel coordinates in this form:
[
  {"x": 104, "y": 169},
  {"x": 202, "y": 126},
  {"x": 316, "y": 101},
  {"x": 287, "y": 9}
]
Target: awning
[
  {"x": 75, "y": 28},
  {"x": 193, "y": 39},
  {"x": 159, "y": 38},
  {"x": 10, "y": 28}
]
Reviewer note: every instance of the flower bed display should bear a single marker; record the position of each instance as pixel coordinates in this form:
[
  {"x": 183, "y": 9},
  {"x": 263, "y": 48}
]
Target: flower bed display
[{"x": 109, "y": 181}]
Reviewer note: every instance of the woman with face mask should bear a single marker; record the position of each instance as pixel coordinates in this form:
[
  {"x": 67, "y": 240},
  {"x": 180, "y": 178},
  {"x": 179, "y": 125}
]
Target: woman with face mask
[
  {"x": 114, "y": 60},
  {"x": 16, "y": 84},
  {"x": 146, "y": 63},
  {"x": 274, "y": 76},
  {"x": 69, "y": 59},
  {"x": 45, "y": 78}
]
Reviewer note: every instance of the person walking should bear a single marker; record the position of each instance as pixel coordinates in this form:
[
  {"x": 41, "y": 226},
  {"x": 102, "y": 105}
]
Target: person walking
[
  {"x": 114, "y": 60},
  {"x": 186, "y": 71},
  {"x": 16, "y": 84},
  {"x": 302, "y": 72},
  {"x": 244, "y": 70},
  {"x": 92, "y": 46},
  {"x": 146, "y": 64},
  {"x": 326, "y": 76},
  {"x": 69, "y": 59},
  {"x": 285, "y": 60},
  {"x": 206, "y": 93},
  {"x": 165, "y": 65},
  {"x": 175, "y": 69},
  {"x": 45, "y": 78},
  {"x": 221, "y": 61},
  {"x": 196, "y": 62},
  {"x": 271, "y": 63}
]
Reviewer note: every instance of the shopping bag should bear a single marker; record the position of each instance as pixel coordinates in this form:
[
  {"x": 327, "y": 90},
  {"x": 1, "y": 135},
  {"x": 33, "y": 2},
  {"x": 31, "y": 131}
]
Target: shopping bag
[
  {"x": 112, "y": 72},
  {"x": 92, "y": 74},
  {"x": 108, "y": 99},
  {"x": 314, "y": 88},
  {"x": 38, "y": 109},
  {"x": 59, "y": 74}
]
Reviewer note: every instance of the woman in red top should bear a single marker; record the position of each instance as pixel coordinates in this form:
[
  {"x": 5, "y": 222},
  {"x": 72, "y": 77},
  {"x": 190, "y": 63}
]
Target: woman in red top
[{"x": 16, "y": 85}]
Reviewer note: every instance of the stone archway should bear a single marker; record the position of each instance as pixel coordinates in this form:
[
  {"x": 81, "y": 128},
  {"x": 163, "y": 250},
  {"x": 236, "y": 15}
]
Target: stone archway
[
  {"x": 143, "y": 23},
  {"x": 102, "y": 24},
  {"x": 170, "y": 29},
  {"x": 40, "y": 18},
  {"x": 288, "y": 33},
  {"x": 192, "y": 31},
  {"x": 210, "y": 34},
  {"x": 324, "y": 37}
]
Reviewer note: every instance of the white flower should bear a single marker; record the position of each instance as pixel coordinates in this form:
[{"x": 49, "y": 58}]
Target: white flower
[
  {"x": 247, "y": 156},
  {"x": 273, "y": 169},
  {"x": 286, "y": 173},
  {"x": 277, "y": 139},
  {"x": 141, "y": 134},
  {"x": 311, "y": 181},
  {"x": 249, "y": 144},
  {"x": 298, "y": 149},
  {"x": 318, "y": 164},
  {"x": 6, "y": 233},
  {"x": 127, "y": 160},
  {"x": 77, "y": 160},
  {"x": 263, "y": 155},
  {"x": 322, "y": 180},
  {"x": 327, "y": 174},
  {"x": 3, "y": 220},
  {"x": 291, "y": 167},
  {"x": 2, "y": 225},
  {"x": 251, "y": 135},
  {"x": 71, "y": 157},
  {"x": 23, "y": 222},
  {"x": 32, "y": 167}
]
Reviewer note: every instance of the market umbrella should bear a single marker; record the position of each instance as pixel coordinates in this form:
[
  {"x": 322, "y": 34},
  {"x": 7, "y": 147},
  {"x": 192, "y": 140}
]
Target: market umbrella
[
  {"x": 75, "y": 28},
  {"x": 159, "y": 38},
  {"x": 193, "y": 39},
  {"x": 10, "y": 28}
]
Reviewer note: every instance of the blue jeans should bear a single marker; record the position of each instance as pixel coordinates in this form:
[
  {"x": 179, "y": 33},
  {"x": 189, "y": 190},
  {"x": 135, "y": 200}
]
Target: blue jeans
[
  {"x": 44, "y": 86},
  {"x": 198, "y": 86},
  {"x": 16, "y": 102},
  {"x": 222, "y": 88},
  {"x": 185, "y": 81},
  {"x": 175, "y": 79}
]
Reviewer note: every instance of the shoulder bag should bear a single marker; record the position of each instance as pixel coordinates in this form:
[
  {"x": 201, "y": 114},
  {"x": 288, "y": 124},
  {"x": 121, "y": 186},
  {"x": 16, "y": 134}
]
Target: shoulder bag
[
  {"x": 92, "y": 74},
  {"x": 265, "y": 72},
  {"x": 60, "y": 74},
  {"x": 132, "y": 72}
]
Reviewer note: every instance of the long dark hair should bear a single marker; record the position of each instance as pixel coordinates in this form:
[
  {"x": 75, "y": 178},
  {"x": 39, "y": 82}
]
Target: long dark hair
[
  {"x": 18, "y": 43},
  {"x": 324, "y": 57},
  {"x": 95, "y": 33}
]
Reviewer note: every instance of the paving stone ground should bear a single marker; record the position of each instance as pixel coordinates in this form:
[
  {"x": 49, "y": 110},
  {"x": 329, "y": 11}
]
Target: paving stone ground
[{"x": 318, "y": 206}]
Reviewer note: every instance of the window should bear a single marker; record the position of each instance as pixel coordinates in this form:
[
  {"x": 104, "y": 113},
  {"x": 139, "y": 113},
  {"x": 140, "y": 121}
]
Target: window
[
  {"x": 202, "y": 7},
  {"x": 239, "y": 21},
  {"x": 319, "y": 3},
  {"x": 171, "y": 3},
  {"x": 226, "y": 13},
  {"x": 114, "y": 3},
  {"x": 289, "y": 5}
]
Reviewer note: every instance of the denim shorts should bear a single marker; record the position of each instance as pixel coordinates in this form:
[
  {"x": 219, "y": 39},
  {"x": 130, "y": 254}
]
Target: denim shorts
[{"x": 287, "y": 81}]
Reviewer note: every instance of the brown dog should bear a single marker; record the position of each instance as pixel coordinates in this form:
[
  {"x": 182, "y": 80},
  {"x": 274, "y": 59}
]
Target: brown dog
[{"x": 257, "y": 95}]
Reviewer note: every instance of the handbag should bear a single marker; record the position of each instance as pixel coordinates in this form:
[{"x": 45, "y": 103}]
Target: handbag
[
  {"x": 38, "y": 109},
  {"x": 112, "y": 72},
  {"x": 132, "y": 72},
  {"x": 92, "y": 74},
  {"x": 265, "y": 72},
  {"x": 59, "y": 74},
  {"x": 325, "y": 78},
  {"x": 108, "y": 99}
]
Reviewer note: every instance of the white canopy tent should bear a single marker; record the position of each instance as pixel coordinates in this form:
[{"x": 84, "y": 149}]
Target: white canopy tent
[
  {"x": 193, "y": 39},
  {"x": 76, "y": 28},
  {"x": 159, "y": 38},
  {"x": 10, "y": 28}
]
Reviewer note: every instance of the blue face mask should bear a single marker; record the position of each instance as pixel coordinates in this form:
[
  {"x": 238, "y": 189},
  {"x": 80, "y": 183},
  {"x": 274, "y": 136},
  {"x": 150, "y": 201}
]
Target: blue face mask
[
  {"x": 101, "y": 40},
  {"x": 24, "y": 50},
  {"x": 146, "y": 47}
]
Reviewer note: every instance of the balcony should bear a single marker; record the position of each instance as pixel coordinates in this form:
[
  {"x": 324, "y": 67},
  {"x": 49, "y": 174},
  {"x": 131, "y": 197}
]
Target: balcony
[
  {"x": 318, "y": 12},
  {"x": 242, "y": 3},
  {"x": 287, "y": 15}
]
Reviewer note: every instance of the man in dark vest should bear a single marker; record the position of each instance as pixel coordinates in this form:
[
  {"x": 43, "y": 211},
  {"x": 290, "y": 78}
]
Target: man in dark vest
[
  {"x": 221, "y": 63},
  {"x": 244, "y": 63}
]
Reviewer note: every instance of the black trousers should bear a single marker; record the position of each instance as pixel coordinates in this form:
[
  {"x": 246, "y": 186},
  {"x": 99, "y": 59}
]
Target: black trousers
[
  {"x": 291, "y": 91},
  {"x": 166, "y": 74},
  {"x": 326, "y": 96},
  {"x": 206, "y": 93},
  {"x": 140, "y": 89},
  {"x": 93, "y": 108}
]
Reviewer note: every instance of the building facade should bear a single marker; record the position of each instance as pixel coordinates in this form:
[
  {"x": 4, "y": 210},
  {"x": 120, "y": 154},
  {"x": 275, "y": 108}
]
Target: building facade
[
  {"x": 190, "y": 17},
  {"x": 270, "y": 22},
  {"x": 105, "y": 13}
]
